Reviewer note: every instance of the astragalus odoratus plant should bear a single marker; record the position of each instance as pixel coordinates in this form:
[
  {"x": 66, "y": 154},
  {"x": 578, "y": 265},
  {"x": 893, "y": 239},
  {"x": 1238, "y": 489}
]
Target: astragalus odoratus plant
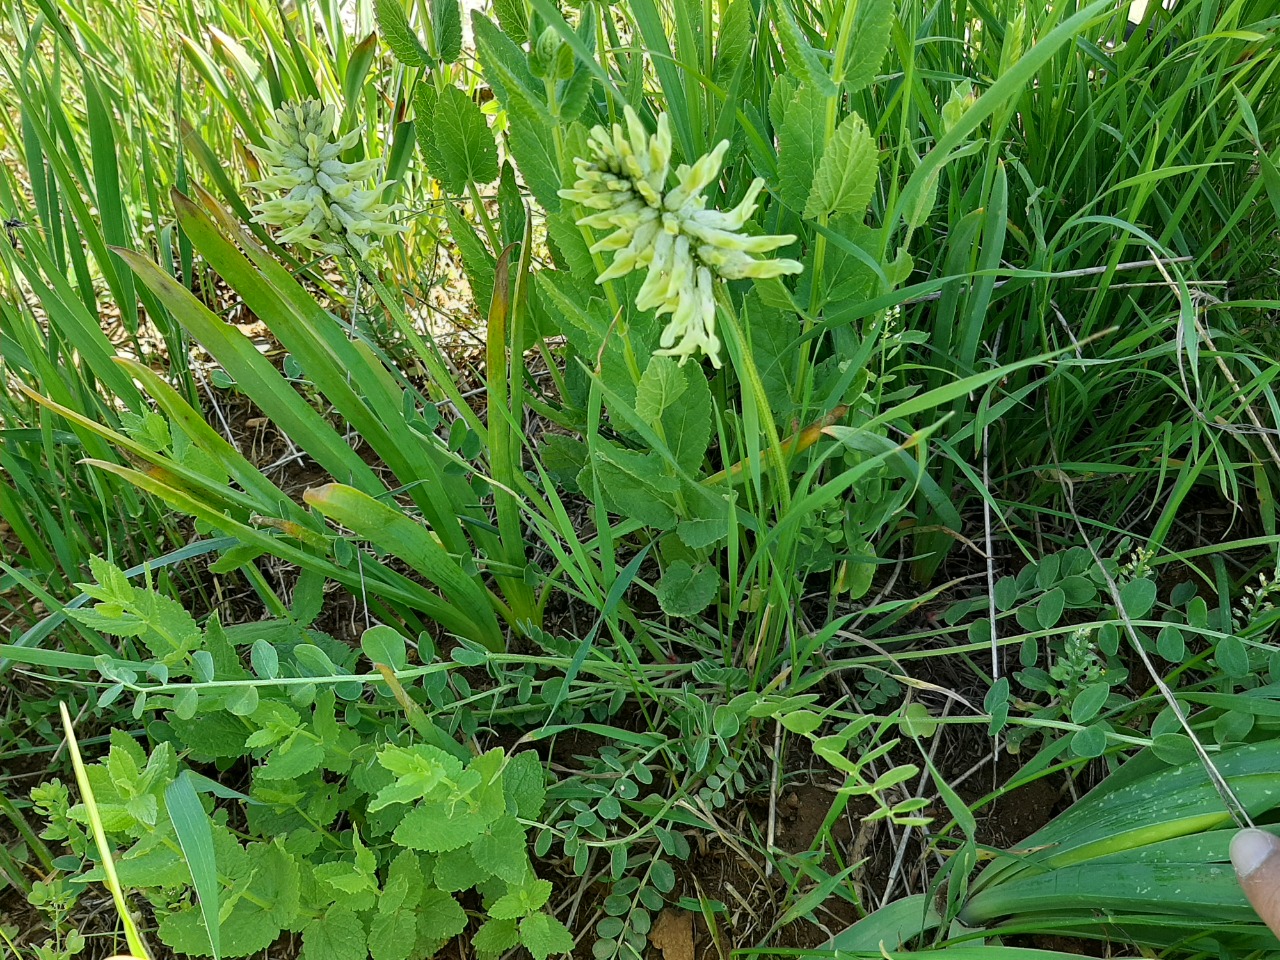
[
  {"x": 668, "y": 231},
  {"x": 324, "y": 208}
]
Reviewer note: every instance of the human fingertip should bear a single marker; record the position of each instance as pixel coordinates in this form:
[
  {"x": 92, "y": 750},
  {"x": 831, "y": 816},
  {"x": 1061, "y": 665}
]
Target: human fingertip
[{"x": 1250, "y": 849}]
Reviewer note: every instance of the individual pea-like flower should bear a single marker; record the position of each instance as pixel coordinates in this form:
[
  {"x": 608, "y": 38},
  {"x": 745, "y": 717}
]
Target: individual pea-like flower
[
  {"x": 324, "y": 207},
  {"x": 669, "y": 231}
]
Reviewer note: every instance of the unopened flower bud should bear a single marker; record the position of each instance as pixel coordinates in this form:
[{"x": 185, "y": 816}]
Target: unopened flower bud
[
  {"x": 544, "y": 52},
  {"x": 962, "y": 98}
]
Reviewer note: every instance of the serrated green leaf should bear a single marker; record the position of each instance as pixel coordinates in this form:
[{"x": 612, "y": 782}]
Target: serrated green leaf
[
  {"x": 223, "y": 653},
  {"x": 488, "y": 766},
  {"x": 476, "y": 259},
  {"x": 661, "y": 385},
  {"x": 155, "y": 867},
  {"x": 464, "y": 141},
  {"x": 457, "y": 870},
  {"x": 337, "y": 935},
  {"x": 632, "y": 484},
  {"x": 871, "y": 32},
  {"x": 802, "y": 59},
  {"x": 210, "y": 736},
  {"x": 734, "y": 38},
  {"x": 436, "y": 827},
  {"x": 699, "y": 534},
  {"x": 424, "y": 107},
  {"x": 511, "y": 207},
  {"x": 440, "y": 916},
  {"x": 496, "y": 936},
  {"x": 687, "y": 424},
  {"x": 845, "y": 275},
  {"x": 506, "y": 67},
  {"x": 514, "y": 19},
  {"x": 544, "y": 936},
  {"x": 446, "y": 21},
  {"x": 846, "y": 174},
  {"x": 115, "y": 623},
  {"x": 530, "y": 133},
  {"x": 110, "y": 581},
  {"x": 525, "y": 783},
  {"x": 799, "y": 145},
  {"x": 502, "y": 850},
  {"x": 393, "y": 23},
  {"x": 276, "y": 722},
  {"x": 394, "y": 927},
  {"x": 347, "y": 877},
  {"x": 339, "y": 740},
  {"x": 297, "y": 756},
  {"x": 259, "y": 899},
  {"x": 126, "y": 758},
  {"x": 522, "y": 900},
  {"x": 418, "y": 770}
]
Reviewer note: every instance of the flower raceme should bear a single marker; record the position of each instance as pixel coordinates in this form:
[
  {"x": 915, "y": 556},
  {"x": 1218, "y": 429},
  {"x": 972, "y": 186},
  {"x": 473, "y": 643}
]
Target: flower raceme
[
  {"x": 324, "y": 209},
  {"x": 669, "y": 231}
]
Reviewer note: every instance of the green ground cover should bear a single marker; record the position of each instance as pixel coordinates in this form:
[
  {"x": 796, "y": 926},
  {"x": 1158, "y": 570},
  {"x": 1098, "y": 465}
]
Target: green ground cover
[{"x": 692, "y": 478}]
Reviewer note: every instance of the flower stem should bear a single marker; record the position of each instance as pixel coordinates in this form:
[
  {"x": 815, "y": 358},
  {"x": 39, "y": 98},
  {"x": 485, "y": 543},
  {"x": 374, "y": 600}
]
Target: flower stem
[{"x": 495, "y": 243}]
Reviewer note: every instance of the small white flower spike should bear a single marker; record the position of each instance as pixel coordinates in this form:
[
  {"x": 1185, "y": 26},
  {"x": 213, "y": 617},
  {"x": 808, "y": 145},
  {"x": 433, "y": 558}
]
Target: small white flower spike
[
  {"x": 684, "y": 247},
  {"x": 324, "y": 208}
]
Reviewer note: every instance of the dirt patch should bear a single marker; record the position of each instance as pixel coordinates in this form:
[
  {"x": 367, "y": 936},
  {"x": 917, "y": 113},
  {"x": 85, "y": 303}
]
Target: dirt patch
[{"x": 1018, "y": 814}]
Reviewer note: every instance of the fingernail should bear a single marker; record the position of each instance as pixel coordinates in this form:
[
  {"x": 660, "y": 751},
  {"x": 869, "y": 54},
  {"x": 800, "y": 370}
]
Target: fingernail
[{"x": 1249, "y": 848}]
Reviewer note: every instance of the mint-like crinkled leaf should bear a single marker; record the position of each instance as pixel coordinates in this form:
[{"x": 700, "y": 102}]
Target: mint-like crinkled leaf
[
  {"x": 338, "y": 935},
  {"x": 296, "y": 756},
  {"x": 263, "y": 872},
  {"x": 393, "y": 24},
  {"x": 543, "y": 935},
  {"x": 525, "y": 783},
  {"x": 502, "y": 850},
  {"x": 440, "y": 916},
  {"x": 496, "y": 936},
  {"x": 522, "y": 900},
  {"x": 457, "y": 870},
  {"x": 437, "y": 827},
  {"x": 418, "y": 771},
  {"x": 394, "y": 927}
]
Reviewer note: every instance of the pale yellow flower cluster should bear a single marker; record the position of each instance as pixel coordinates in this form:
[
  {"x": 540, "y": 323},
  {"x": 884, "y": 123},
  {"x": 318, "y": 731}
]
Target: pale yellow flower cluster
[
  {"x": 670, "y": 232},
  {"x": 324, "y": 208}
]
